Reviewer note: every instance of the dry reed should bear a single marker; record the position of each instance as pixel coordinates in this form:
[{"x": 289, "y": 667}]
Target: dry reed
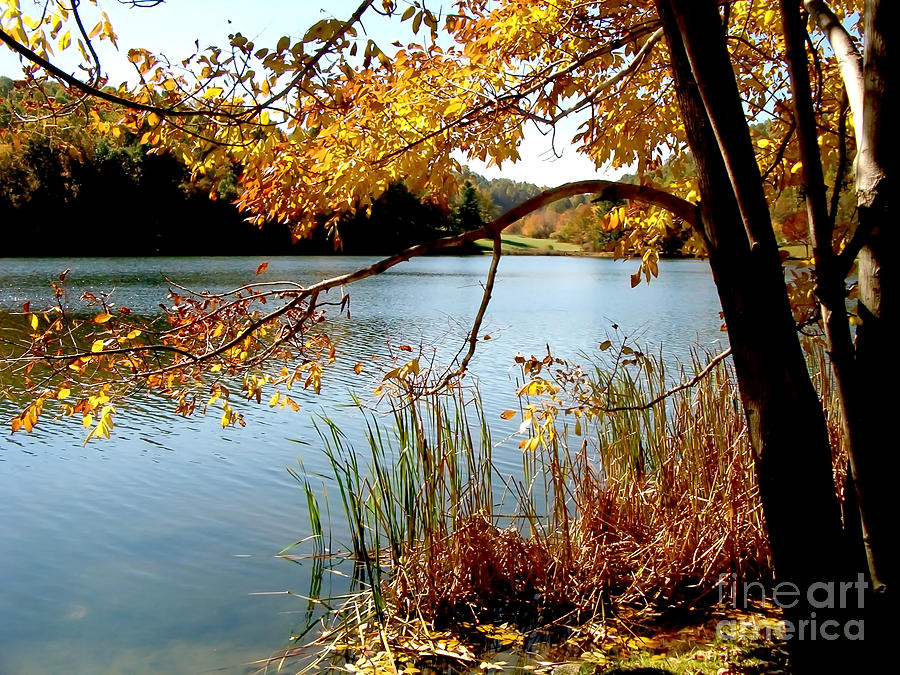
[{"x": 644, "y": 507}]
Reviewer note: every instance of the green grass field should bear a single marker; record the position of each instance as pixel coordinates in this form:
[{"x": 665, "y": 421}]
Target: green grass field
[{"x": 516, "y": 243}]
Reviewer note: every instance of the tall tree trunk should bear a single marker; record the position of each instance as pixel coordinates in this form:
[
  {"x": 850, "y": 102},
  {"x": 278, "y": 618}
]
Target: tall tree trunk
[
  {"x": 876, "y": 354},
  {"x": 864, "y": 424},
  {"x": 785, "y": 418}
]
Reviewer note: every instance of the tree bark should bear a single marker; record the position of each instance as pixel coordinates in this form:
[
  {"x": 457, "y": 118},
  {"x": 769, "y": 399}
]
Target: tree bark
[
  {"x": 876, "y": 355},
  {"x": 785, "y": 418}
]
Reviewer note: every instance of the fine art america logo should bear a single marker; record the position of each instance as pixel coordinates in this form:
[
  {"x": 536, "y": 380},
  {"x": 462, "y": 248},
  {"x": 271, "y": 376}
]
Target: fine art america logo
[{"x": 841, "y": 598}]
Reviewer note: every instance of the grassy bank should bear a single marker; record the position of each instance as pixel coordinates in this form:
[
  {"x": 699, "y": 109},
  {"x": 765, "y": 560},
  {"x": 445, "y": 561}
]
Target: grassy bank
[
  {"x": 606, "y": 550},
  {"x": 517, "y": 244}
]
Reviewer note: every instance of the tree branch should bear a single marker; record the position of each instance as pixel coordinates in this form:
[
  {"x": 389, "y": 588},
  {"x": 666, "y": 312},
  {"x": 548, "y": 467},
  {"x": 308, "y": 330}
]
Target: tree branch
[
  {"x": 868, "y": 172},
  {"x": 479, "y": 317},
  {"x": 96, "y": 92},
  {"x": 681, "y": 387}
]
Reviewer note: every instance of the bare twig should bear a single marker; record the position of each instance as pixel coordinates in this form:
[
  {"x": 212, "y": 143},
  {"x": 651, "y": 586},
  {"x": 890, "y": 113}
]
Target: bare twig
[{"x": 681, "y": 387}]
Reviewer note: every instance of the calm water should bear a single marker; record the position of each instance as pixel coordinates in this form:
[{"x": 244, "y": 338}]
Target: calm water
[{"x": 147, "y": 553}]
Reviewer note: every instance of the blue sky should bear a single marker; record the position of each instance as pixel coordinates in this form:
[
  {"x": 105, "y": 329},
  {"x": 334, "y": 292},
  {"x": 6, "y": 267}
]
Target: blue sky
[{"x": 173, "y": 27}]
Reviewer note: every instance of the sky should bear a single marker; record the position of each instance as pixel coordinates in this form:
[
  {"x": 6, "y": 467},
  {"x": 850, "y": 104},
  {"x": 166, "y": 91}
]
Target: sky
[{"x": 173, "y": 27}]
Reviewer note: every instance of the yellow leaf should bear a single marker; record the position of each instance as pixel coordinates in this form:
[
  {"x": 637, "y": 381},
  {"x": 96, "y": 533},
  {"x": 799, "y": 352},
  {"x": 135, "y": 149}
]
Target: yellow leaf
[
  {"x": 103, "y": 318},
  {"x": 508, "y": 414},
  {"x": 274, "y": 400},
  {"x": 63, "y": 393},
  {"x": 133, "y": 334},
  {"x": 796, "y": 167},
  {"x": 454, "y": 107},
  {"x": 97, "y": 346},
  {"x": 34, "y": 322},
  {"x": 65, "y": 40},
  {"x": 212, "y": 92}
]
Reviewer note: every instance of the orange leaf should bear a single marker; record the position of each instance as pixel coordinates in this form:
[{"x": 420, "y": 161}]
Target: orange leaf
[
  {"x": 262, "y": 268},
  {"x": 405, "y": 348},
  {"x": 508, "y": 414},
  {"x": 102, "y": 318},
  {"x": 357, "y": 368}
]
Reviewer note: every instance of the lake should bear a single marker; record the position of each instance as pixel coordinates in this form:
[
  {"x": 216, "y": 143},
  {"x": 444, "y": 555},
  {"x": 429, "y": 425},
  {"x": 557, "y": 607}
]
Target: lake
[{"x": 154, "y": 551}]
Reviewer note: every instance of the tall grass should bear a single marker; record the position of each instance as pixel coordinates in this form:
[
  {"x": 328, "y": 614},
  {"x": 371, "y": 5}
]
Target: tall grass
[{"x": 644, "y": 507}]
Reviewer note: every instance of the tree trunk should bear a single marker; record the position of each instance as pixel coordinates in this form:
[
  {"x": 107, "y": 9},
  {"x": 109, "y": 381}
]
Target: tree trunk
[
  {"x": 876, "y": 355},
  {"x": 785, "y": 419}
]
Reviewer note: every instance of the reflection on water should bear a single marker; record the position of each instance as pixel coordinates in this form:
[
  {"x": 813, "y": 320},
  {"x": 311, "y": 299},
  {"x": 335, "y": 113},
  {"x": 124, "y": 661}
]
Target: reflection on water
[{"x": 144, "y": 553}]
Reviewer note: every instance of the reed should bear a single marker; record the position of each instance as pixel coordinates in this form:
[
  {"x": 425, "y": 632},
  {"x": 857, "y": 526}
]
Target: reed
[{"x": 645, "y": 507}]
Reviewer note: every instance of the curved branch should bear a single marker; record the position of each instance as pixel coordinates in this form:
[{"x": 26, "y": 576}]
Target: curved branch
[{"x": 608, "y": 191}]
